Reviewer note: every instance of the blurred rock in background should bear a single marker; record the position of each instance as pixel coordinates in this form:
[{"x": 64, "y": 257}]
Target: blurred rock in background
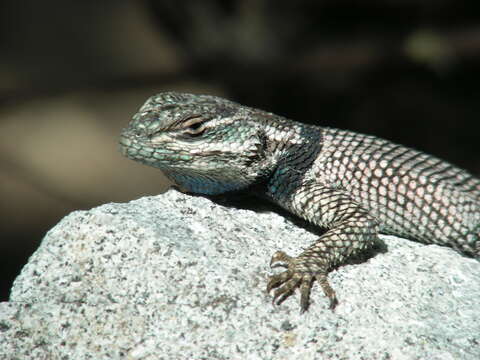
[{"x": 73, "y": 73}]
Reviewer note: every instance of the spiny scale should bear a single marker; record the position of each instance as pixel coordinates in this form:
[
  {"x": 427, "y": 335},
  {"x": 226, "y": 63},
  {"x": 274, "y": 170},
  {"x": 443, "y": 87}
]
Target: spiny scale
[{"x": 353, "y": 185}]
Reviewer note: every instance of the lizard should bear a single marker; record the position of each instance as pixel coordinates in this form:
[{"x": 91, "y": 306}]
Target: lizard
[{"x": 353, "y": 185}]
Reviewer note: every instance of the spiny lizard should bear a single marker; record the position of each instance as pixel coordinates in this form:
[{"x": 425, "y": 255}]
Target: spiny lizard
[{"x": 353, "y": 185}]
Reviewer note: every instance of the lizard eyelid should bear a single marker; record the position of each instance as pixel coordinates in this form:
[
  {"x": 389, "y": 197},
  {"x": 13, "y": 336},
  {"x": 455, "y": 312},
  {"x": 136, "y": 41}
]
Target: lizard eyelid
[{"x": 194, "y": 125}]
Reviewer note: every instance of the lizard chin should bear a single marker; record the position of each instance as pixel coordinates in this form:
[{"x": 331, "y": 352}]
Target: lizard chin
[{"x": 206, "y": 185}]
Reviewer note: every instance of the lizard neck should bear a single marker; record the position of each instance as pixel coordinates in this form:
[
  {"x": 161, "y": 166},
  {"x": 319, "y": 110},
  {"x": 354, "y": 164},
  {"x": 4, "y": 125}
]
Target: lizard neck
[{"x": 295, "y": 154}]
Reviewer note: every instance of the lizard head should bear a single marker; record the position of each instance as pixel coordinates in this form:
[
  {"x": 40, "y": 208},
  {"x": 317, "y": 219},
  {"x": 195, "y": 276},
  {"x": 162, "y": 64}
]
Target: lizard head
[{"x": 203, "y": 143}]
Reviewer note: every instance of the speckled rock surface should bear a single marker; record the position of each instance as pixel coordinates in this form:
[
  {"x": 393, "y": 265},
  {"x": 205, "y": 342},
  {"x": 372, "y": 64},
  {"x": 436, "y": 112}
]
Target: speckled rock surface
[{"x": 179, "y": 277}]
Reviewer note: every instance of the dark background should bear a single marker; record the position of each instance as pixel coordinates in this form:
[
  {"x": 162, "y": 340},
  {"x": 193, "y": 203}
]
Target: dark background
[{"x": 73, "y": 72}]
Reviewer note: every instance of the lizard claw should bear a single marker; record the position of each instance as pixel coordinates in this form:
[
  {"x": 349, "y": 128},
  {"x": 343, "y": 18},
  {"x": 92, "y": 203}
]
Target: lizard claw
[{"x": 287, "y": 281}]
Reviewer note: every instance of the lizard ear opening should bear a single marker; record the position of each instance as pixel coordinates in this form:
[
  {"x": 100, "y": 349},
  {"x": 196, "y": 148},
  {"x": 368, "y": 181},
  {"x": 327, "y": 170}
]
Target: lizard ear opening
[
  {"x": 263, "y": 139},
  {"x": 261, "y": 147}
]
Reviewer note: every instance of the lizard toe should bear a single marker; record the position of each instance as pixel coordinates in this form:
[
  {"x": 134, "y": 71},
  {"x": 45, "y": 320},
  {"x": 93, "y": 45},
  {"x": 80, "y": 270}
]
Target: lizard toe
[
  {"x": 305, "y": 287},
  {"x": 287, "y": 288},
  {"x": 327, "y": 290},
  {"x": 277, "y": 280}
]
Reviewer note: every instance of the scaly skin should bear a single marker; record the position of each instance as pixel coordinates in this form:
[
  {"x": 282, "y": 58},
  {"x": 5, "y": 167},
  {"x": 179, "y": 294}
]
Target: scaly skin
[{"x": 353, "y": 185}]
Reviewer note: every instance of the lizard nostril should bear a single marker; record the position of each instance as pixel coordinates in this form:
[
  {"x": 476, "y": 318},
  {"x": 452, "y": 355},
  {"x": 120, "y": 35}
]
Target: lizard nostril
[{"x": 138, "y": 132}]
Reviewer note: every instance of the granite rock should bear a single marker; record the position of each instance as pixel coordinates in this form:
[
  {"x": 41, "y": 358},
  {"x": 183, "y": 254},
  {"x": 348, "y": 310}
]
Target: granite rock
[{"x": 180, "y": 277}]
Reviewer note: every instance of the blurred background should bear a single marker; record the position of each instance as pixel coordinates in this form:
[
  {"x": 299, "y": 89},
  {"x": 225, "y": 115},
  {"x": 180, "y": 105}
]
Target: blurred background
[{"x": 72, "y": 73}]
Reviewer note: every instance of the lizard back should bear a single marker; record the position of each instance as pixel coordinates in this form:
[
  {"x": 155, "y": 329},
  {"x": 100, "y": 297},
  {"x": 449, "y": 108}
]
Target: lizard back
[{"x": 412, "y": 194}]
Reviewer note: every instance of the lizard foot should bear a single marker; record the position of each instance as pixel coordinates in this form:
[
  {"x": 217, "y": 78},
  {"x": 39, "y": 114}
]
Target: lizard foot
[{"x": 298, "y": 275}]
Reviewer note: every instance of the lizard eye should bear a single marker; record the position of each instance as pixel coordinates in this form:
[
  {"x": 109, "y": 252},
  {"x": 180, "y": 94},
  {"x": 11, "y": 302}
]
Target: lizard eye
[{"x": 194, "y": 126}]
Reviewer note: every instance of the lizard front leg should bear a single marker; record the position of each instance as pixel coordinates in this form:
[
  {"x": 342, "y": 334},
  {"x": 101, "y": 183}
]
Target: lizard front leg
[{"x": 350, "y": 229}]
